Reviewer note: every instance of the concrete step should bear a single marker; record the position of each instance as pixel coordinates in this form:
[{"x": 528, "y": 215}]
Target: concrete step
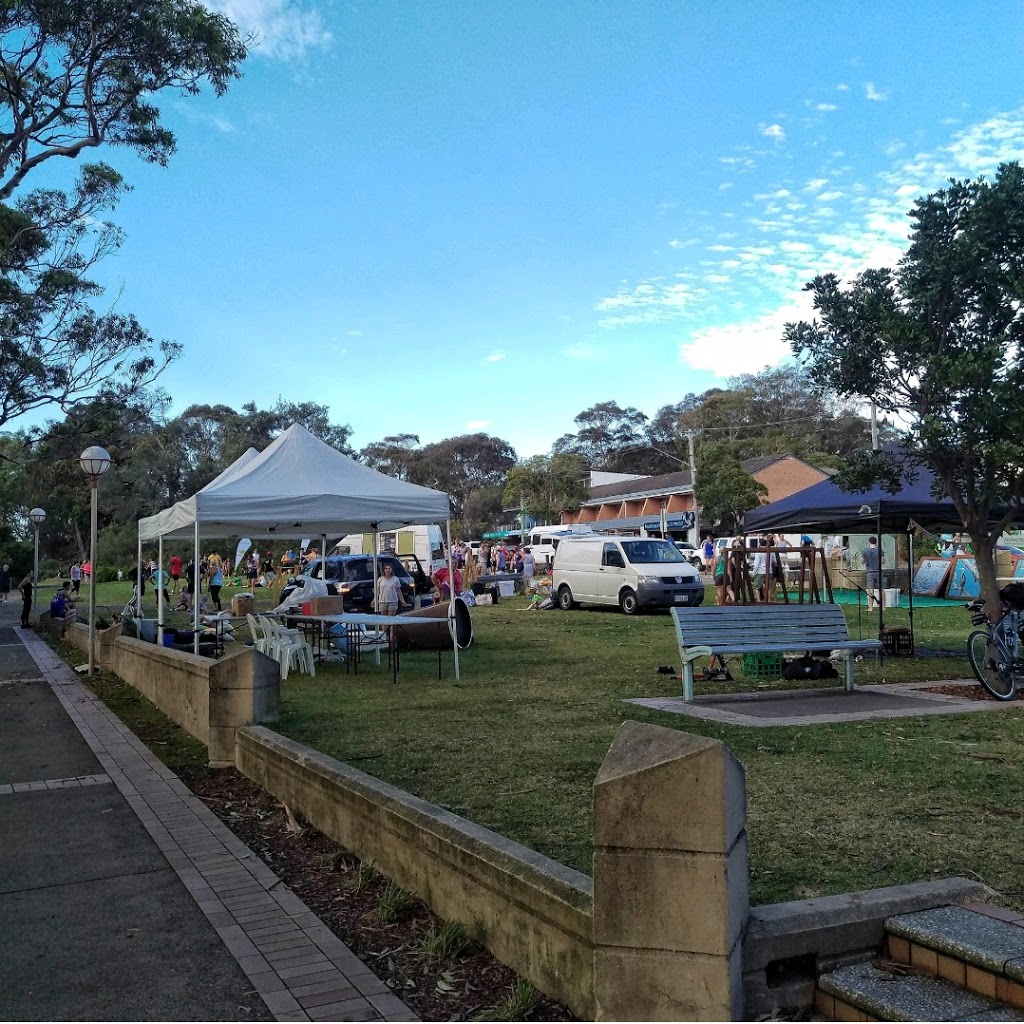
[
  {"x": 980, "y": 952},
  {"x": 881, "y": 991}
]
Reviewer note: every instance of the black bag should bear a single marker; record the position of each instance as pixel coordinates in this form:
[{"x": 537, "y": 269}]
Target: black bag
[
  {"x": 1013, "y": 595},
  {"x": 809, "y": 667}
]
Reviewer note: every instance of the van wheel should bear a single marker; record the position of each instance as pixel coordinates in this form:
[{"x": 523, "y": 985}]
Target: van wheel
[
  {"x": 628, "y": 603},
  {"x": 565, "y": 601}
]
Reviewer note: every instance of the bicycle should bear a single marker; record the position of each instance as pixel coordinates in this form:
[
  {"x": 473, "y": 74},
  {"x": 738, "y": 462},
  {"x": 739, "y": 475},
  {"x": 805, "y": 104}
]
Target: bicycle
[{"x": 995, "y": 652}]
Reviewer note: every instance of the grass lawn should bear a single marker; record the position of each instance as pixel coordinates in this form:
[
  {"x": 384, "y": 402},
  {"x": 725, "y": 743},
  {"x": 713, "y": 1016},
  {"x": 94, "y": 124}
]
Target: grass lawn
[{"x": 515, "y": 746}]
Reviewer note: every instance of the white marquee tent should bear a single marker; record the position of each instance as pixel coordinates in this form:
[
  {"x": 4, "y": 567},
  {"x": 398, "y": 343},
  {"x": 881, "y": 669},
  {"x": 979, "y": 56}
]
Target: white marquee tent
[{"x": 299, "y": 486}]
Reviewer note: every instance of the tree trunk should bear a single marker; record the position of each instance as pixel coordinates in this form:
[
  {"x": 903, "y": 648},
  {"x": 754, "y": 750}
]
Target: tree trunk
[
  {"x": 80, "y": 541},
  {"x": 985, "y": 558}
]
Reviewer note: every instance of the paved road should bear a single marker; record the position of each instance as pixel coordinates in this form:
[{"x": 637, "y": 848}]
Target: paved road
[{"x": 122, "y": 897}]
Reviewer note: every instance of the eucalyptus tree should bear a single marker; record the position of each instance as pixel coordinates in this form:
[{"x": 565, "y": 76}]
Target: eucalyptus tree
[{"x": 78, "y": 75}]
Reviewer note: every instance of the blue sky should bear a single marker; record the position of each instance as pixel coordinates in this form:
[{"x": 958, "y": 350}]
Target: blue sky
[{"x": 437, "y": 218}]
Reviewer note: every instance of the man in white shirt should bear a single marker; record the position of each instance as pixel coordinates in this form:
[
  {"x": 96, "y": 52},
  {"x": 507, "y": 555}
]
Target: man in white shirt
[{"x": 758, "y": 565}]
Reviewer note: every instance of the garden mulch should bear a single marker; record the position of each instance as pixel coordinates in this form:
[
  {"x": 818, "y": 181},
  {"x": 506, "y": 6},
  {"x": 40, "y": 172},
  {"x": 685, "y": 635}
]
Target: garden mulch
[{"x": 473, "y": 986}]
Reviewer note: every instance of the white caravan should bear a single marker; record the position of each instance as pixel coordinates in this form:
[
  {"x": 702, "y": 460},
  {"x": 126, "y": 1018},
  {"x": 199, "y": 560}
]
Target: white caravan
[
  {"x": 425, "y": 542},
  {"x": 543, "y": 541}
]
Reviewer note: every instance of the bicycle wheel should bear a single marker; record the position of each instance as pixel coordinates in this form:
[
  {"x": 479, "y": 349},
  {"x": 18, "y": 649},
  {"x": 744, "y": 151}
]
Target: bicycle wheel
[{"x": 991, "y": 666}]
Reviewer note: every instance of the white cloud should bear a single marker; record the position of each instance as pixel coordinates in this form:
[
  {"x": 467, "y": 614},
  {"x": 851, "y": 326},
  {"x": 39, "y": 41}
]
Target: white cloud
[
  {"x": 871, "y": 93},
  {"x": 354, "y": 334},
  {"x": 649, "y": 302},
  {"x": 828, "y": 197},
  {"x": 744, "y": 347},
  {"x": 476, "y": 425},
  {"x": 685, "y": 243},
  {"x": 774, "y": 131},
  {"x": 814, "y": 184},
  {"x": 826, "y": 106},
  {"x": 581, "y": 350},
  {"x": 282, "y": 29},
  {"x": 495, "y": 357}
]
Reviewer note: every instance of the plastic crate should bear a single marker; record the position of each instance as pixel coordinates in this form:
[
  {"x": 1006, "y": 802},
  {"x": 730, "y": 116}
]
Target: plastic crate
[
  {"x": 762, "y": 666},
  {"x": 897, "y": 641}
]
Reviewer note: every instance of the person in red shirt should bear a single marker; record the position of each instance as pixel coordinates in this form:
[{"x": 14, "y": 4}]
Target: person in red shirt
[
  {"x": 175, "y": 572},
  {"x": 440, "y": 580}
]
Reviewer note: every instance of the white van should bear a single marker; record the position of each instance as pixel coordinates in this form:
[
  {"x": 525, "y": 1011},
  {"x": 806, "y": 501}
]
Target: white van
[
  {"x": 630, "y": 572},
  {"x": 425, "y": 542},
  {"x": 543, "y": 541}
]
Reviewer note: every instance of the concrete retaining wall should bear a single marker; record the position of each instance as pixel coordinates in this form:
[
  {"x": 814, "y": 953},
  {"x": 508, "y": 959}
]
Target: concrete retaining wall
[
  {"x": 533, "y": 913},
  {"x": 209, "y": 699}
]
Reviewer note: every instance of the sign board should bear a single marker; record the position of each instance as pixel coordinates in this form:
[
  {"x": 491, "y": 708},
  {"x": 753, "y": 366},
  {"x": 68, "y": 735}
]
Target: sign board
[
  {"x": 963, "y": 578},
  {"x": 930, "y": 577},
  {"x": 676, "y": 521}
]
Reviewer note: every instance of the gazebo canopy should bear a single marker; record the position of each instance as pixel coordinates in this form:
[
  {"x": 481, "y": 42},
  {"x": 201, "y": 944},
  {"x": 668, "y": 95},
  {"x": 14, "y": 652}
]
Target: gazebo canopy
[
  {"x": 826, "y": 508},
  {"x": 299, "y": 486}
]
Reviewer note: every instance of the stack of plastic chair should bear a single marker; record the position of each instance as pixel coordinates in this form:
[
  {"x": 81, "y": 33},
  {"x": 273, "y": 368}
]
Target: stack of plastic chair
[
  {"x": 287, "y": 647},
  {"x": 259, "y": 636}
]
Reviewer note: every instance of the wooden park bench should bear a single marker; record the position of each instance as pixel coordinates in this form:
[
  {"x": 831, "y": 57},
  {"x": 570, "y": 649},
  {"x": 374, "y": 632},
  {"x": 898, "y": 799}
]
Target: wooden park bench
[{"x": 703, "y": 632}]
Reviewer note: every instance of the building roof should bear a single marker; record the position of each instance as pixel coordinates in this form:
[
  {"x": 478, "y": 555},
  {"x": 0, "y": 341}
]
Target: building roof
[{"x": 646, "y": 486}]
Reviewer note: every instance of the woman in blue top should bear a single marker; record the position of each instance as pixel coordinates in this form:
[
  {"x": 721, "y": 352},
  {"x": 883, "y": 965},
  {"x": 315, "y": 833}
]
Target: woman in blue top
[{"x": 216, "y": 582}]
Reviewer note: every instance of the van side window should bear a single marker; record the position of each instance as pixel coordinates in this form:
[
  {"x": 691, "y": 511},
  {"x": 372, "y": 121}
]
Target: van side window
[{"x": 612, "y": 557}]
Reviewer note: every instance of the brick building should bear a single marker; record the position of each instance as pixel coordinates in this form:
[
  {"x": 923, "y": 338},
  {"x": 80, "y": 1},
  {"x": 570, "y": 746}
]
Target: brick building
[{"x": 633, "y": 503}]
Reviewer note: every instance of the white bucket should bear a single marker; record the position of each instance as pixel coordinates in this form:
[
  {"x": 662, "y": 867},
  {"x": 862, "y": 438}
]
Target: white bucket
[{"x": 891, "y": 598}]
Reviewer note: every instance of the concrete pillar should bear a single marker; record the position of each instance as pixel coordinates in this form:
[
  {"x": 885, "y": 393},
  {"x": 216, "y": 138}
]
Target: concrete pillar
[
  {"x": 670, "y": 878},
  {"x": 245, "y": 689}
]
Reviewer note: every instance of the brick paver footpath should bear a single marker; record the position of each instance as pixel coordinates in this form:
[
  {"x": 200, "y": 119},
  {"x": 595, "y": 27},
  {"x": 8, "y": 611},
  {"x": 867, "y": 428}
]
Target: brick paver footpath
[{"x": 123, "y": 897}]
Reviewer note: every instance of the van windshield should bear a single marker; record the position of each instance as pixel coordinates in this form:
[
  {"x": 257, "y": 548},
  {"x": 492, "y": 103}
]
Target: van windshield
[{"x": 640, "y": 551}]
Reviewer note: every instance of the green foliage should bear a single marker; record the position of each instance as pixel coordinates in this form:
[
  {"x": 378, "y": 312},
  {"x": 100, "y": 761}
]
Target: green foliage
[
  {"x": 546, "y": 485},
  {"x": 78, "y": 75},
  {"x": 724, "y": 489},
  {"x": 395, "y": 904},
  {"x": 520, "y": 1001},
  {"x": 449, "y": 942},
  {"x": 937, "y": 343},
  {"x": 364, "y": 874}
]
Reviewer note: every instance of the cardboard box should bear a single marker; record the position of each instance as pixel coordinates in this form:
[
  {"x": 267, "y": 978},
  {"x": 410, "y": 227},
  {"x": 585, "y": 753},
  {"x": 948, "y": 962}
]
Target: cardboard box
[
  {"x": 330, "y": 605},
  {"x": 242, "y": 604}
]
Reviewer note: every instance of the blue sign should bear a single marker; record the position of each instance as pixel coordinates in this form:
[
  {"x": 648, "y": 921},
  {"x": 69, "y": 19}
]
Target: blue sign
[{"x": 677, "y": 521}]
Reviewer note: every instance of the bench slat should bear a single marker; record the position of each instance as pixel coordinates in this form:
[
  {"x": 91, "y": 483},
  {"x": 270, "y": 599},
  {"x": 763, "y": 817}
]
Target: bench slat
[{"x": 765, "y": 629}]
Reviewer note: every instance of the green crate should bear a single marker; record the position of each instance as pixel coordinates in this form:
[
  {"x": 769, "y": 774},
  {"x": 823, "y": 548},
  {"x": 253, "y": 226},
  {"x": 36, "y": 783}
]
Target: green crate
[{"x": 762, "y": 666}]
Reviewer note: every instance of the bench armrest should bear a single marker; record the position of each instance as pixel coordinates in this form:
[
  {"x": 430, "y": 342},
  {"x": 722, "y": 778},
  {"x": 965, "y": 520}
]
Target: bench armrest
[{"x": 693, "y": 653}]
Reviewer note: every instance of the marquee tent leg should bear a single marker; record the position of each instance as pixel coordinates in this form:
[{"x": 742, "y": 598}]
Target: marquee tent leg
[
  {"x": 160, "y": 592},
  {"x": 452, "y": 627},
  {"x": 138, "y": 589},
  {"x": 196, "y": 591}
]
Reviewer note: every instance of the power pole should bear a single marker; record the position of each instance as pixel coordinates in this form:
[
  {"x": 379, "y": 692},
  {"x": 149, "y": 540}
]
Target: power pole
[{"x": 693, "y": 485}]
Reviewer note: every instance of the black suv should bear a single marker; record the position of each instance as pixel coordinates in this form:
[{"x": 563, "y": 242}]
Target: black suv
[{"x": 352, "y": 577}]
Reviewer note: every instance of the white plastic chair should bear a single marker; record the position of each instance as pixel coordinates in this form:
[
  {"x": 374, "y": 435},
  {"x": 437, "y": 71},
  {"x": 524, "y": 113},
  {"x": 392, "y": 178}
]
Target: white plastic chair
[
  {"x": 288, "y": 647},
  {"x": 259, "y": 634}
]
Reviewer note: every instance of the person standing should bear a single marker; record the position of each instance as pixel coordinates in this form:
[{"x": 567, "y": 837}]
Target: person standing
[
  {"x": 216, "y": 582},
  {"x": 759, "y": 573},
  {"x": 873, "y": 559},
  {"x": 5, "y": 582},
  {"x": 709, "y": 552},
  {"x": 529, "y": 568},
  {"x": 159, "y": 578},
  {"x": 25, "y": 586},
  {"x": 389, "y": 592},
  {"x": 175, "y": 573},
  {"x": 252, "y": 572},
  {"x": 76, "y": 577},
  {"x": 718, "y": 569}
]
